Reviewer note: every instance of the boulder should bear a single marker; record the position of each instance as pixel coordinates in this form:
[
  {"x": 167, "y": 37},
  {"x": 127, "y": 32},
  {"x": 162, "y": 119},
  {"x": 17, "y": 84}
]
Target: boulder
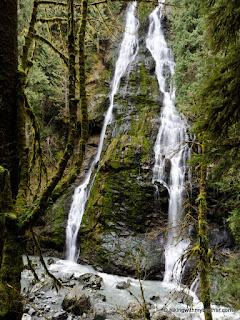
[
  {"x": 76, "y": 301},
  {"x": 99, "y": 312},
  {"x": 26, "y": 316},
  {"x": 134, "y": 309},
  {"x": 123, "y": 285},
  {"x": 183, "y": 297},
  {"x": 61, "y": 315},
  {"x": 90, "y": 280},
  {"x": 51, "y": 261},
  {"x": 155, "y": 298}
]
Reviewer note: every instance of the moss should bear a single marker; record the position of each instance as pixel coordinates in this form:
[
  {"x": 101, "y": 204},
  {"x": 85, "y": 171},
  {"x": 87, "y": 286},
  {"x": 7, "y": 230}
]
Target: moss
[
  {"x": 59, "y": 228},
  {"x": 10, "y": 274},
  {"x": 144, "y": 9},
  {"x": 116, "y": 193},
  {"x": 6, "y": 194}
]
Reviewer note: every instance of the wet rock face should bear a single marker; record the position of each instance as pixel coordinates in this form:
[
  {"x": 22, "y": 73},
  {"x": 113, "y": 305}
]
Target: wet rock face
[{"x": 123, "y": 210}]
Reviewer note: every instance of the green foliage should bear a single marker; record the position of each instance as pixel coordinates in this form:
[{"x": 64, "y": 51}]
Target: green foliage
[
  {"x": 24, "y": 14},
  {"x": 222, "y": 22},
  {"x": 227, "y": 290},
  {"x": 234, "y": 222},
  {"x": 190, "y": 52},
  {"x": 46, "y": 86},
  {"x": 206, "y": 44}
]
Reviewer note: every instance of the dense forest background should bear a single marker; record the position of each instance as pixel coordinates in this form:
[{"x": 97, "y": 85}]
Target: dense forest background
[
  {"x": 204, "y": 37},
  {"x": 205, "y": 42}
]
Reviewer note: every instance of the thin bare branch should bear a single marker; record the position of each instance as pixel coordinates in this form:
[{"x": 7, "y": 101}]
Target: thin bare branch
[{"x": 38, "y": 311}]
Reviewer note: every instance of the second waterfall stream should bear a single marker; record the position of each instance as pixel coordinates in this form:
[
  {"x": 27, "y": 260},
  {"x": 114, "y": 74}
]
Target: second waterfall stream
[
  {"x": 127, "y": 53},
  {"x": 170, "y": 147}
]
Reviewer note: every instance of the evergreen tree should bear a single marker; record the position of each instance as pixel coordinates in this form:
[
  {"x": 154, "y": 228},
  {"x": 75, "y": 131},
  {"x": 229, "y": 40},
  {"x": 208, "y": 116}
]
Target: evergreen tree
[{"x": 208, "y": 80}]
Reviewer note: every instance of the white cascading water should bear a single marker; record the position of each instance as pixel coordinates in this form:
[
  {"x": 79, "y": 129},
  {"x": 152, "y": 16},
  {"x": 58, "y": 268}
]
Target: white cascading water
[
  {"x": 170, "y": 147},
  {"x": 127, "y": 53}
]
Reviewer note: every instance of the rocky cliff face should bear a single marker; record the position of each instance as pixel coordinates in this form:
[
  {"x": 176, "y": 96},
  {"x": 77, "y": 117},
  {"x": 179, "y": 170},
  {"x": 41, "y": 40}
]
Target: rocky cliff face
[{"x": 123, "y": 223}]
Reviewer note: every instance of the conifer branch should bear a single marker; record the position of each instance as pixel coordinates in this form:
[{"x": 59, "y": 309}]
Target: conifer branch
[
  {"x": 104, "y": 23},
  {"x": 100, "y": 21}
]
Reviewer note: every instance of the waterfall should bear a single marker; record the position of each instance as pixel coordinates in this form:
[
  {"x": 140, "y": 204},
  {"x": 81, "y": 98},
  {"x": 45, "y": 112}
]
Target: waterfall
[
  {"x": 170, "y": 148},
  {"x": 127, "y": 53}
]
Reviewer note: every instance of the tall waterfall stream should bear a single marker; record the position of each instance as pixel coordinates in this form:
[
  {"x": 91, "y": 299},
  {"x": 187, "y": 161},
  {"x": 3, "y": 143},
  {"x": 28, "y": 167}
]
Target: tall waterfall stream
[
  {"x": 170, "y": 149},
  {"x": 170, "y": 146}
]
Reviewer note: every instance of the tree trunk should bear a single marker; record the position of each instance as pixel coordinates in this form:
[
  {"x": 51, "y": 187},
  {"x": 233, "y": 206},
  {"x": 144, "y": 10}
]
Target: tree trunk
[
  {"x": 10, "y": 274},
  {"x": 10, "y": 254},
  {"x": 8, "y": 80},
  {"x": 10, "y": 243},
  {"x": 204, "y": 251}
]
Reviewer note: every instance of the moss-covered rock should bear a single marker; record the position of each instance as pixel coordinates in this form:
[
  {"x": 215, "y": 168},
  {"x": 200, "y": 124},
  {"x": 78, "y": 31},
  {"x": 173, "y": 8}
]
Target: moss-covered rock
[{"x": 53, "y": 236}]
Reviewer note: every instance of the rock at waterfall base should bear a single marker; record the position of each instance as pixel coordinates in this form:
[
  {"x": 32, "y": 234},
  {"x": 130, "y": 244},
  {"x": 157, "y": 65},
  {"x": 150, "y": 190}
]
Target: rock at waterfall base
[
  {"x": 123, "y": 285},
  {"x": 134, "y": 309},
  {"x": 98, "y": 312},
  {"x": 76, "y": 301},
  {"x": 90, "y": 280},
  {"x": 26, "y": 316},
  {"x": 61, "y": 315}
]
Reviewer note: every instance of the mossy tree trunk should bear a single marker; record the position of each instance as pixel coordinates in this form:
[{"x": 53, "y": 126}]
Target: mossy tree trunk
[
  {"x": 11, "y": 252},
  {"x": 8, "y": 81},
  {"x": 10, "y": 272},
  {"x": 204, "y": 251},
  {"x": 10, "y": 243}
]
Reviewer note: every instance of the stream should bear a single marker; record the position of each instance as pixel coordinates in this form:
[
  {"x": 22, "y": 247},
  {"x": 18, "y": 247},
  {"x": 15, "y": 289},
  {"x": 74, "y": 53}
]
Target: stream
[{"x": 163, "y": 299}]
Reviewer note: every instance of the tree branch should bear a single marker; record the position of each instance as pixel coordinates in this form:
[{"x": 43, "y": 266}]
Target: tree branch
[
  {"x": 53, "y": 2},
  {"x": 47, "y": 42},
  {"x": 38, "y": 311},
  {"x": 52, "y": 20}
]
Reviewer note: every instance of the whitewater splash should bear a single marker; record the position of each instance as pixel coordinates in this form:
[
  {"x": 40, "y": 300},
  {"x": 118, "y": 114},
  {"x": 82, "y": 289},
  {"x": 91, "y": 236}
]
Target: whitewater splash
[
  {"x": 127, "y": 53},
  {"x": 170, "y": 148}
]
